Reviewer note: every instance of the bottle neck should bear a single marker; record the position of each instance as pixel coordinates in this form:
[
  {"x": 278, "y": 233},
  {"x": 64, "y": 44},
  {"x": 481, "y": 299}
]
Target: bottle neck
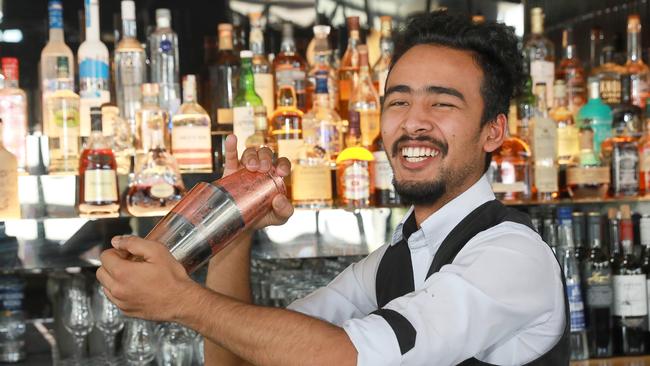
[
  {"x": 129, "y": 28},
  {"x": 537, "y": 25},
  {"x": 322, "y": 100},
  {"x": 246, "y": 77},
  {"x": 256, "y": 40},
  {"x": 634, "y": 46},
  {"x": 569, "y": 52},
  {"x": 288, "y": 45},
  {"x": 261, "y": 124},
  {"x": 387, "y": 46},
  {"x": 92, "y": 21},
  {"x": 56, "y": 35},
  {"x": 55, "y": 11},
  {"x": 189, "y": 93},
  {"x": 353, "y": 41},
  {"x": 225, "y": 41}
]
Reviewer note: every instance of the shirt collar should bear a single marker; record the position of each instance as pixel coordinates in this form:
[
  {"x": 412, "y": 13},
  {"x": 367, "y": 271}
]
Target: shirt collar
[{"x": 437, "y": 226}]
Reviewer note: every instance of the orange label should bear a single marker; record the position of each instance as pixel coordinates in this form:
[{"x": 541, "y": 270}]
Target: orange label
[{"x": 345, "y": 89}]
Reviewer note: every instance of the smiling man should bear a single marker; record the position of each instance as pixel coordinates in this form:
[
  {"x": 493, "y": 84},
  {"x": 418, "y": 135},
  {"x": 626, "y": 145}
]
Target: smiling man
[{"x": 464, "y": 279}]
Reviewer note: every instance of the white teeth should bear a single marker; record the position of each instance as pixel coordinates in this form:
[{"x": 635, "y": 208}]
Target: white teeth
[
  {"x": 418, "y": 152},
  {"x": 415, "y": 160}
]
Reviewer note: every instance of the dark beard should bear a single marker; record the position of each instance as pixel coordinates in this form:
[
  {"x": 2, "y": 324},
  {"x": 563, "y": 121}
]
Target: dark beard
[{"x": 420, "y": 193}]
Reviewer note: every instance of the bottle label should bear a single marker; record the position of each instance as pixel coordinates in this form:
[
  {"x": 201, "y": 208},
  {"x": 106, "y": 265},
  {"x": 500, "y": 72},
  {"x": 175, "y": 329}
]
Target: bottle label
[
  {"x": 576, "y": 91},
  {"x": 90, "y": 68},
  {"x": 542, "y": 71},
  {"x": 610, "y": 90},
  {"x": 567, "y": 141},
  {"x": 93, "y": 89},
  {"x": 191, "y": 145},
  {"x": 310, "y": 183},
  {"x": 287, "y": 75},
  {"x": 161, "y": 190},
  {"x": 514, "y": 187},
  {"x": 599, "y": 290},
  {"x": 265, "y": 89},
  {"x": 544, "y": 139},
  {"x": 345, "y": 89},
  {"x": 224, "y": 116},
  {"x": 13, "y": 112},
  {"x": 383, "y": 171},
  {"x": 129, "y": 76},
  {"x": 625, "y": 168},
  {"x": 639, "y": 89},
  {"x": 546, "y": 178},
  {"x": 100, "y": 185},
  {"x": 356, "y": 178},
  {"x": 243, "y": 126},
  {"x": 630, "y": 298},
  {"x": 576, "y": 307},
  {"x": 64, "y": 123},
  {"x": 290, "y": 149},
  {"x": 590, "y": 175}
]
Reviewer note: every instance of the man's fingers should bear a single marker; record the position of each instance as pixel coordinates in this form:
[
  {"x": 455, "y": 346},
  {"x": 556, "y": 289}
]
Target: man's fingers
[
  {"x": 283, "y": 167},
  {"x": 282, "y": 208},
  {"x": 231, "y": 159},
  {"x": 105, "y": 278},
  {"x": 250, "y": 159},
  {"x": 265, "y": 155},
  {"x": 138, "y": 247}
]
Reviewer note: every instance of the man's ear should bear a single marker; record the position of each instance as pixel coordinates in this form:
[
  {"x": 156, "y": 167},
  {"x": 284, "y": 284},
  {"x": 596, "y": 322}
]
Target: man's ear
[{"x": 494, "y": 133}]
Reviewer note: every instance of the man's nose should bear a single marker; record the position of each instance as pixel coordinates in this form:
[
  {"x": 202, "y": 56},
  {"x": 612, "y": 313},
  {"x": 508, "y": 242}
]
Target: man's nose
[{"x": 419, "y": 119}]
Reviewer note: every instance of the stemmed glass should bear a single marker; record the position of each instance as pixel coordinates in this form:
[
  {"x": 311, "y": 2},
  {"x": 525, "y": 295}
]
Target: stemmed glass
[
  {"x": 139, "y": 342},
  {"x": 77, "y": 316},
  {"x": 175, "y": 345},
  {"x": 108, "y": 319}
]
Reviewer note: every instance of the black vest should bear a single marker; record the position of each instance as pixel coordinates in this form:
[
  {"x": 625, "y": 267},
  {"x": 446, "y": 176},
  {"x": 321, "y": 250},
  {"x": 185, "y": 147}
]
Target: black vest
[{"x": 395, "y": 276}]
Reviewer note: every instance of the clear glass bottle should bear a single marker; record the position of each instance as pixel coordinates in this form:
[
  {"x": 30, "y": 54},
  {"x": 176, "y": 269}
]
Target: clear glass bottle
[
  {"x": 93, "y": 68},
  {"x": 587, "y": 178},
  {"x": 286, "y": 124},
  {"x": 54, "y": 49},
  {"x": 224, "y": 74},
  {"x": 597, "y": 113},
  {"x": 567, "y": 134},
  {"x": 598, "y": 282},
  {"x": 9, "y": 204},
  {"x": 364, "y": 101},
  {"x": 157, "y": 185},
  {"x": 635, "y": 66},
  {"x": 544, "y": 149},
  {"x": 150, "y": 116},
  {"x": 62, "y": 110},
  {"x": 163, "y": 45},
  {"x": 571, "y": 71},
  {"x": 290, "y": 68},
  {"x": 262, "y": 68},
  {"x": 13, "y": 111},
  {"x": 355, "y": 170},
  {"x": 578, "y": 337},
  {"x": 539, "y": 52},
  {"x": 118, "y": 130},
  {"x": 261, "y": 137},
  {"x": 245, "y": 102},
  {"x": 349, "y": 68},
  {"x": 323, "y": 63},
  {"x": 191, "y": 144},
  {"x": 130, "y": 69},
  {"x": 98, "y": 192},
  {"x": 387, "y": 47},
  {"x": 322, "y": 122}
]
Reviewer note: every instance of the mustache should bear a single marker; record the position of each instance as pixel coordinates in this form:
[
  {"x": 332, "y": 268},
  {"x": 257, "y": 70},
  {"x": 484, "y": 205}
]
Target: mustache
[{"x": 439, "y": 145}]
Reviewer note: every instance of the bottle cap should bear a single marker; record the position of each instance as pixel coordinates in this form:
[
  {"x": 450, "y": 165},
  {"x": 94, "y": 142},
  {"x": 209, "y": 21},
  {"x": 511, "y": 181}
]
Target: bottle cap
[
  {"x": 225, "y": 27},
  {"x": 321, "y": 30},
  {"x": 95, "y": 119},
  {"x": 245, "y": 54},
  {"x": 163, "y": 18},
  {"x": 644, "y": 228},
  {"x": 150, "y": 89},
  {"x": 564, "y": 213},
  {"x": 128, "y": 9},
  {"x": 353, "y": 23},
  {"x": 633, "y": 23}
]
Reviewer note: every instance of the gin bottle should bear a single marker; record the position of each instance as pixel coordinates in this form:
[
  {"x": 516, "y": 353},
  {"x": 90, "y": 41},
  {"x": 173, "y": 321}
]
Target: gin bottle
[
  {"x": 597, "y": 114},
  {"x": 163, "y": 44}
]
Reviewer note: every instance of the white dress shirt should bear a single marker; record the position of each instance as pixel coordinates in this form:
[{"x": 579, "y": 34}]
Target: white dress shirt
[{"x": 501, "y": 299}]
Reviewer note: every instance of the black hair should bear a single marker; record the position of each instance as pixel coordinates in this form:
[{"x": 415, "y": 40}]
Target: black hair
[{"x": 493, "y": 45}]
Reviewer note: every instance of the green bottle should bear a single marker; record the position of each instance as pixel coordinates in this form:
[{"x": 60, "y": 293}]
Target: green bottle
[
  {"x": 597, "y": 114},
  {"x": 245, "y": 102}
]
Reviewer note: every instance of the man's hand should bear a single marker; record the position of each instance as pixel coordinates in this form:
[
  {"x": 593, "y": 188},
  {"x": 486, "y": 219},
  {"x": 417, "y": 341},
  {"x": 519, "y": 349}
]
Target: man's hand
[
  {"x": 156, "y": 288},
  {"x": 260, "y": 161}
]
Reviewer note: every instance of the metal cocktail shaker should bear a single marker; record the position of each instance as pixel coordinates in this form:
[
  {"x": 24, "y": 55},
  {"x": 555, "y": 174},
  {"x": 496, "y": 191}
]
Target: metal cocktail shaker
[{"x": 211, "y": 215}]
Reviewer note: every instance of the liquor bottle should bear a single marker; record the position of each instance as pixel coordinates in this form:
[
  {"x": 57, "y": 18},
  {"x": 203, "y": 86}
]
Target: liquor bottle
[
  {"x": 97, "y": 172},
  {"x": 311, "y": 184},
  {"x": 510, "y": 169},
  {"x": 567, "y": 134},
  {"x": 549, "y": 233},
  {"x": 129, "y": 67},
  {"x": 587, "y": 178},
  {"x": 13, "y": 111},
  {"x": 615, "y": 254},
  {"x": 539, "y": 52},
  {"x": 149, "y": 117},
  {"x": 579, "y": 237},
  {"x": 355, "y": 170},
  {"x": 118, "y": 130},
  {"x": 290, "y": 68},
  {"x": 191, "y": 144},
  {"x": 544, "y": 149},
  {"x": 644, "y": 157},
  {"x": 262, "y": 70},
  {"x": 609, "y": 73},
  {"x": 579, "y": 350},
  {"x": 644, "y": 231},
  {"x": 261, "y": 137},
  {"x": 596, "y": 38},
  {"x": 163, "y": 45},
  {"x": 634, "y": 64},
  {"x": 364, "y": 101},
  {"x": 349, "y": 69},
  {"x": 208, "y": 75},
  {"x": 385, "y": 194},
  {"x": 598, "y": 279},
  {"x": 62, "y": 111},
  {"x": 627, "y": 113},
  {"x": 323, "y": 63},
  {"x": 630, "y": 294},
  {"x": 9, "y": 204},
  {"x": 286, "y": 124},
  {"x": 224, "y": 74},
  {"x": 570, "y": 70},
  {"x": 157, "y": 185},
  {"x": 598, "y": 113},
  {"x": 54, "y": 49},
  {"x": 387, "y": 46},
  {"x": 93, "y": 68},
  {"x": 621, "y": 153},
  {"x": 245, "y": 102},
  {"x": 322, "y": 122}
]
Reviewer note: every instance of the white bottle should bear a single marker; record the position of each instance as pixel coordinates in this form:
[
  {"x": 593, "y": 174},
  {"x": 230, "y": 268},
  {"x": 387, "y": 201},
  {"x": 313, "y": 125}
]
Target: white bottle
[
  {"x": 54, "y": 48},
  {"x": 163, "y": 44},
  {"x": 93, "y": 68}
]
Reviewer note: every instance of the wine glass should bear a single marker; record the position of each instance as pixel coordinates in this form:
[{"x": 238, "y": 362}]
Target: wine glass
[
  {"x": 175, "y": 345},
  {"x": 108, "y": 319},
  {"x": 139, "y": 341},
  {"x": 77, "y": 315}
]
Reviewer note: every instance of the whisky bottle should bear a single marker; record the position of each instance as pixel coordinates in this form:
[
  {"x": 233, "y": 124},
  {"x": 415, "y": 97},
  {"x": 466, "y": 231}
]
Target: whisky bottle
[
  {"x": 627, "y": 113},
  {"x": 539, "y": 52},
  {"x": 587, "y": 178},
  {"x": 262, "y": 68},
  {"x": 364, "y": 101},
  {"x": 97, "y": 172},
  {"x": 261, "y": 137},
  {"x": 597, "y": 114},
  {"x": 286, "y": 124},
  {"x": 245, "y": 102},
  {"x": 149, "y": 117},
  {"x": 9, "y": 203},
  {"x": 544, "y": 149},
  {"x": 634, "y": 64},
  {"x": 387, "y": 47},
  {"x": 290, "y": 68},
  {"x": 570, "y": 70},
  {"x": 355, "y": 170},
  {"x": 349, "y": 68},
  {"x": 13, "y": 111},
  {"x": 621, "y": 153},
  {"x": 609, "y": 73}
]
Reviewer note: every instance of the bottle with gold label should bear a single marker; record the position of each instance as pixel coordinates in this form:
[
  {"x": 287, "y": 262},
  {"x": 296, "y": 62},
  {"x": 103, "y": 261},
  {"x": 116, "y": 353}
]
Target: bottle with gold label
[
  {"x": 364, "y": 101},
  {"x": 587, "y": 178},
  {"x": 286, "y": 124},
  {"x": 567, "y": 133},
  {"x": 349, "y": 69},
  {"x": 262, "y": 68},
  {"x": 544, "y": 149},
  {"x": 635, "y": 66},
  {"x": 355, "y": 171},
  {"x": 387, "y": 46},
  {"x": 9, "y": 204}
]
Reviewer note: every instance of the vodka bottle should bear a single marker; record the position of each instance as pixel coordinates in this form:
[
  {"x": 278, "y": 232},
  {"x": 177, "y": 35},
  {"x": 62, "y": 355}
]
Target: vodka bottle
[
  {"x": 93, "y": 68},
  {"x": 129, "y": 66},
  {"x": 163, "y": 44},
  {"x": 54, "y": 48}
]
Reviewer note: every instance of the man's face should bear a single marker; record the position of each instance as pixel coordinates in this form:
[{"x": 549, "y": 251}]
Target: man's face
[{"x": 431, "y": 123}]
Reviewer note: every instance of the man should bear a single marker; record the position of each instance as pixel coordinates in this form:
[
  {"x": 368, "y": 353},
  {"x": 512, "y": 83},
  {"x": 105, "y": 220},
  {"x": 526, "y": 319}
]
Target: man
[{"x": 464, "y": 280}]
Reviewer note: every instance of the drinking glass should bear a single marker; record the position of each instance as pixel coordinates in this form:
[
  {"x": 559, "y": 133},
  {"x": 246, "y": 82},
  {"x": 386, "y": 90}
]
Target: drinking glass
[
  {"x": 175, "y": 345},
  {"x": 139, "y": 342},
  {"x": 108, "y": 319},
  {"x": 77, "y": 315}
]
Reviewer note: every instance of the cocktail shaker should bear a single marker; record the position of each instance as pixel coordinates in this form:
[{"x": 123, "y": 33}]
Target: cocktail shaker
[{"x": 211, "y": 215}]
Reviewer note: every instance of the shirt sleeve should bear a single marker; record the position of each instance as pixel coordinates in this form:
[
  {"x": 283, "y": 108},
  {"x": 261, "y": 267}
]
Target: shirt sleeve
[
  {"x": 350, "y": 295},
  {"x": 489, "y": 293}
]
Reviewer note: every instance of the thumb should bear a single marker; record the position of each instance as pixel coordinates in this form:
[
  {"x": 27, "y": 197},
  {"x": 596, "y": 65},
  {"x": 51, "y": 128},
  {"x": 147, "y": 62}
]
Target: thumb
[{"x": 141, "y": 249}]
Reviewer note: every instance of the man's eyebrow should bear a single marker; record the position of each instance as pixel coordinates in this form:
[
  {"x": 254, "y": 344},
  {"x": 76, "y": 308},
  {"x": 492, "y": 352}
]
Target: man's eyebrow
[
  {"x": 397, "y": 89},
  {"x": 434, "y": 89}
]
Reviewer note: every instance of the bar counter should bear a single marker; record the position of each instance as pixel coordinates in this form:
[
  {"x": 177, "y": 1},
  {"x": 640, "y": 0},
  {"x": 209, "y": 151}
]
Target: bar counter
[{"x": 616, "y": 361}]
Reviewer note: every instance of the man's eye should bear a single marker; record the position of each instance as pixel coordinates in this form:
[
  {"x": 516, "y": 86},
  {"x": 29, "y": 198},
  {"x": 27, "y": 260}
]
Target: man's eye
[
  {"x": 397, "y": 103},
  {"x": 443, "y": 105}
]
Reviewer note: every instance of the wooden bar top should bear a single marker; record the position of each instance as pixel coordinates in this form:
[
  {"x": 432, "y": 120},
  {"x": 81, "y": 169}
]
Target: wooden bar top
[{"x": 616, "y": 361}]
